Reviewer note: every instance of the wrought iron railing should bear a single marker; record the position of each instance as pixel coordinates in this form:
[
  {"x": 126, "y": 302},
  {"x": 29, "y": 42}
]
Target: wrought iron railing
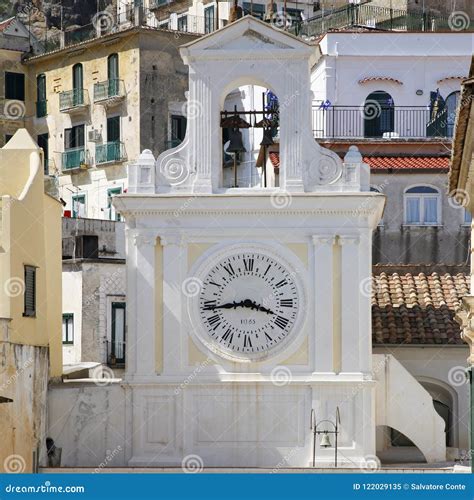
[
  {"x": 378, "y": 122},
  {"x": 41, "y": 108},
  {"x": 110, "y": 152},
  {"x": 372, "y": 16},
  {"x": 116, "y": 353},
  {"x": 71, "y": 99},
  {"x": 109, "y": 89},
  {"x": 74, "y": 158}
]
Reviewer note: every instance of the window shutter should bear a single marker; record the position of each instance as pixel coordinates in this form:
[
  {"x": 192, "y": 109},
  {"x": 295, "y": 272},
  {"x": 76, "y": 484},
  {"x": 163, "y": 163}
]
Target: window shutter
[{"x": 30, "y": 291}]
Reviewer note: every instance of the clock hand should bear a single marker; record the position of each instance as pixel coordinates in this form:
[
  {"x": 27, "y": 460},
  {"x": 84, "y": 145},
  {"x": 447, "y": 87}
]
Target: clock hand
[{"x": 250, "y": 304}]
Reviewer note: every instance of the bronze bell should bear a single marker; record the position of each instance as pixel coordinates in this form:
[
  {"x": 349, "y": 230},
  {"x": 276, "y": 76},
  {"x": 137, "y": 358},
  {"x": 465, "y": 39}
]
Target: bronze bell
[
  {"x": 236, "y": 144},
  {"x": 267, "y": 139}
]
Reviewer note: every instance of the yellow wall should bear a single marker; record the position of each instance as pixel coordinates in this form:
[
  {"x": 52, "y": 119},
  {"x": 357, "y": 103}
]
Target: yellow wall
[{"x": 31, "y": 235}]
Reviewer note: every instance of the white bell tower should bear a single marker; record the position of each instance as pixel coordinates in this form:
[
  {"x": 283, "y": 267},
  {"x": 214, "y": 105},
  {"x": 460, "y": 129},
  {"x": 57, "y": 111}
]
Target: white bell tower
[{"x": 248, "y": 311}]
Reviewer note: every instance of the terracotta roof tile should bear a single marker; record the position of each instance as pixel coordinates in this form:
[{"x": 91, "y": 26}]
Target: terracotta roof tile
[
  {"x": 407, "y": 162},
  {"x": 382, "y": 163},
  {"x": 417, "y": 309}
]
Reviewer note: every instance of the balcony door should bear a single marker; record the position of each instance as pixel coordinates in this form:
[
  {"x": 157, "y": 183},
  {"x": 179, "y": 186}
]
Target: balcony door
[
  {"x": 78, "y": 84},
  {"x": 117, "y": 345},
  {"x": 113, "y": 75},
  {"x": 379, "y": 114}
]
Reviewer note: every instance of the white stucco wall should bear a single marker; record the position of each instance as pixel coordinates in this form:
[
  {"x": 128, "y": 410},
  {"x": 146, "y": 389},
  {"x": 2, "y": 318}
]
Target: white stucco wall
[{"x": 72, "y": 304}]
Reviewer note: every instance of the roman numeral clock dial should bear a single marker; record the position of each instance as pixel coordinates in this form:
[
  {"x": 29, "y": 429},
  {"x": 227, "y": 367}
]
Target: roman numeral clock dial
[{"x": 248, "y": 304}]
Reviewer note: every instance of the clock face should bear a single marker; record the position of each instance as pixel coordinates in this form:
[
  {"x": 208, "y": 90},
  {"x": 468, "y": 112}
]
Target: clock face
[{"x": 248, "y": 304}]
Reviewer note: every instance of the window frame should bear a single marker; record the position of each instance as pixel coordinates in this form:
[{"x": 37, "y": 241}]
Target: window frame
[
  {"x": 29, "y": 312},
  {"x": 75, "y": 197},
  {"x": 111, "y": 192},
  {"x": 421, "y": 197},
  {"x": 68, "y": 341},
  {"x": 22, "y": 94}
]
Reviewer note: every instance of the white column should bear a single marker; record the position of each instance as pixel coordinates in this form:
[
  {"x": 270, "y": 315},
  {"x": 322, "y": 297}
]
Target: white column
[
  {"x": 365, "y": 301},
  {"x": 350, "y": 303},
  {"x": 323, "y": 303},
  {"x": 173, "y": 273},
  {"x": 142, "y": 301}
]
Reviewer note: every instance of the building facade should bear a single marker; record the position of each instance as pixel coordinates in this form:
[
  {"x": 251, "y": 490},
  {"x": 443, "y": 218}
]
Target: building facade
[{"x": 30, "y": 303}]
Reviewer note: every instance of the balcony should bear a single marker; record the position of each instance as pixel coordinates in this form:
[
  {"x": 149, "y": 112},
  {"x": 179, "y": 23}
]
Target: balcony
[
  {"x": 110, "y": 152},
  {"x": 109, "y": 92},
  {"x": 75, "y": 100},
  {"x": 41, "y": 109},
  {"x": 116, "y": 354},
  {"x": 379, "y": 122},
  {"x": 74, "y": 159}
]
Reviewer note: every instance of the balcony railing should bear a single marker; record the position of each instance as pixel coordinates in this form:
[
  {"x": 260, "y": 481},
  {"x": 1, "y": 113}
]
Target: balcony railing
[
  {"x": 110, "y": 90},
  {"x": 74, "y": 158},
  {"x": 374, "y": 121},
  {"x": 372, "y": 16},
  {"x": 41, "y": 108},
  {"x": 110, "y": 152},
  {"x": 116, "y": 354},
  {"x": 73, "y": 99}
]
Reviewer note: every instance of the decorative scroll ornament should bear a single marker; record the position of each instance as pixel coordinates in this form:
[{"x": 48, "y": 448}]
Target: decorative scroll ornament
[{"x": 328, "y": 169}]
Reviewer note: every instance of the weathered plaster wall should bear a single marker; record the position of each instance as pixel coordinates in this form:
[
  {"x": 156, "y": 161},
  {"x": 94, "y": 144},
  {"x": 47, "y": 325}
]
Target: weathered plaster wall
[
  {"x": 89, "y": 287},
  {"x": 24, "y": 379},
  {"x": 163, "y": 79},
  {"x": 396, "y": 243},
  {"x": 88, "y": 422}
]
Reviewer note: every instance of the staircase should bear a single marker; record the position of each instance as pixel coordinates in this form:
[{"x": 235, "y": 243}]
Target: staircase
[{"x": 404, "y": 405}]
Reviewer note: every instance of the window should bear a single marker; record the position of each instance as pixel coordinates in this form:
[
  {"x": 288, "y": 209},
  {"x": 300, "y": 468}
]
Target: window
[
  {"x": 209, "y": 19},
  {"x": 78, "y": 85},
  {"x": 14, "y": 86},
  {"x": 74, "y": 137},
  {"x": 379, "y": 114},
  {"x": 113, "y": 75},
  {"x": 117, "y": 345},
  {"x": 452, "y": 102},
  {"x": 79, "y": 205},
  {"x": 467, "y": 217},
  {"x": 113, "y": 129},
  {"x": 178, "y": 129},
  {"x": 374, "y": 189},
  {"x": 422, "y": 206},
  {"x": 43, "y": 143},
  {"x": 183, "y": 23},
  {"x": 113, "y": 215},
  {"x": 41, "y": 96},
  {"x": 254, "y": 9},
  {"x": 30, "y": 291},
  {"x": 68, "y": 328}
]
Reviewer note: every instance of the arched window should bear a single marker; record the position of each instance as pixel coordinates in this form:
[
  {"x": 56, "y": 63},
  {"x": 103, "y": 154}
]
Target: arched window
[
  {"x": 422, "y": 206},
  {"x": 379, "y": 114},
  {"x": 452, "y": 102}
]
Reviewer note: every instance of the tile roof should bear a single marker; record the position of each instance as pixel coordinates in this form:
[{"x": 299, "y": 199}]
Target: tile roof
[
  {"x": 6, "y": 23},
  {"x": 417, "y": 308},
  {"x": 407, "y": 162},
  {"x": 382, "y": 163}
]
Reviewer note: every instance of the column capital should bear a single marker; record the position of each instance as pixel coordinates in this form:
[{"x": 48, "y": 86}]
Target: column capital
[
  {"x": 143, "y": 238},
  {"x": 323, "y": 239},
  {"x": 349, "y": 240},
  {"x": 171, "y": 239}
]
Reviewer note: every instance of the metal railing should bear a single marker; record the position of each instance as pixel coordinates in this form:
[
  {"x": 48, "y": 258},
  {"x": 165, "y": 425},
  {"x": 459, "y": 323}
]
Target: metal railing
[
  {"x": 110, "y": 152},
  {"x": 71, "y": 99},
  {"x": 109, "y": 89},
  {"x": 372, "y": 16},
  {"x": 378, "y": 122},
  {"x": 74, "y": 158},
  {"x": 116, "y": 353},
  {"x": 41, "y": 108}
]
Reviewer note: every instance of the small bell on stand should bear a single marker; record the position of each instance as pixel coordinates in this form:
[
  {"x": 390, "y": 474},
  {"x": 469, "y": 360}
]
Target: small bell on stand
[{"x": 235, "y": 147}]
